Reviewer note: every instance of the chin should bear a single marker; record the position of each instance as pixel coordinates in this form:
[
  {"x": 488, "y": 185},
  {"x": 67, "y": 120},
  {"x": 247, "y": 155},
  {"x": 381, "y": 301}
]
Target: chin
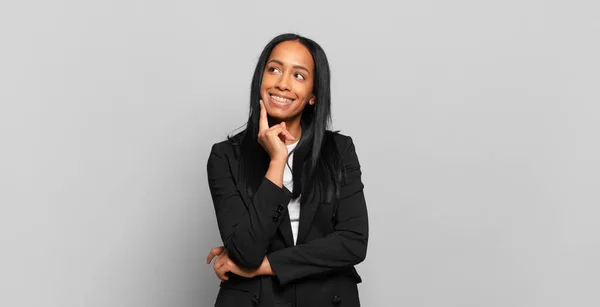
[{"x": 279, "y": 116}]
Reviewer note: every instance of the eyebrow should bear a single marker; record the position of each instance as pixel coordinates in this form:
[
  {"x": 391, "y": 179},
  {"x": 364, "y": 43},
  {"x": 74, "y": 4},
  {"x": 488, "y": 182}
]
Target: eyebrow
[{"x": 295, "y": 66}]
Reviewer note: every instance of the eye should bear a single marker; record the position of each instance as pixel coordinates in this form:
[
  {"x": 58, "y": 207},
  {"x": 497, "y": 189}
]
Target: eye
[
  {"x": 273, "y": 69},
  {"x": 299, "y": 76}
]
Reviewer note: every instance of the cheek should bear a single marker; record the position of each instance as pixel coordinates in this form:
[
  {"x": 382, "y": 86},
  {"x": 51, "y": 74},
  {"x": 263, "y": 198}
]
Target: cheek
[
  {"x": 267, "y": 81},
  {"x": 307, "y": 92}
]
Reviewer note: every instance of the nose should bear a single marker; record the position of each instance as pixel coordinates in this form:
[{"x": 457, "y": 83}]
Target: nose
[{"x": 283, "y": 83}]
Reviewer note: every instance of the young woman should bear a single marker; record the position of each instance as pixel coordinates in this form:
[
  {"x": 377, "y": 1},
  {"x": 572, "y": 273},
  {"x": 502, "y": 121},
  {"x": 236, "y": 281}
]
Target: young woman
[{"x": 287, "y": 192}]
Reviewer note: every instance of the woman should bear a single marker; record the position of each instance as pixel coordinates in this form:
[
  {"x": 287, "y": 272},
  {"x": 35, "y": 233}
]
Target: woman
[{"x": 287, "y": 192}]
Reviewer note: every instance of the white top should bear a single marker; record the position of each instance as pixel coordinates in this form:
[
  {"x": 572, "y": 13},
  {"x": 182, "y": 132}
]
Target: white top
[{"x": 294, "y": 204}]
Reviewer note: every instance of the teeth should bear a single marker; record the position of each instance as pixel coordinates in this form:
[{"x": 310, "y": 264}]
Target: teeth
[{"x": 281, "y": 99}]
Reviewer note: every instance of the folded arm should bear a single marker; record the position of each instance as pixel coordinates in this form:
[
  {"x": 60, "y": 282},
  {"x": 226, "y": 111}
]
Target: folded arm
[{"x": 245, "y": 228}]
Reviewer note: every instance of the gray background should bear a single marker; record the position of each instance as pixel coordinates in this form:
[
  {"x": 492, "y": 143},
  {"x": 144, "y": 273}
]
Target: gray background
[{"x": 476, "y": 124}]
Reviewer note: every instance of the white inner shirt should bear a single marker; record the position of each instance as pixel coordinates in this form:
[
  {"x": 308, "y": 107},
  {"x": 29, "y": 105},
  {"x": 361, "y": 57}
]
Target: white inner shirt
[{"x": 288, "y": 182}]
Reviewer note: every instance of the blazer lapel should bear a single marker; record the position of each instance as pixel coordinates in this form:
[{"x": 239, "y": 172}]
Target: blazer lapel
[
  {"x": 285, "y": 228},
  {"x": 307, "y": 213}
]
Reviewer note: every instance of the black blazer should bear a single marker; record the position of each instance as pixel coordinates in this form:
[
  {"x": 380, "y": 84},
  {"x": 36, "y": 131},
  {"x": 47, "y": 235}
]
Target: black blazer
[{"x": 332, "y": 237}]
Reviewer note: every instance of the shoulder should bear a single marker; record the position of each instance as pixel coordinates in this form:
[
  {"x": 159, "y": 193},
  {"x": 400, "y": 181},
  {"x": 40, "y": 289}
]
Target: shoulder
[
  {"x": 344, "y": 143},
  {"x": 349, "y": 161},
  {"x": 223, "y": 155},
  {"x": 228, "y": 146}
]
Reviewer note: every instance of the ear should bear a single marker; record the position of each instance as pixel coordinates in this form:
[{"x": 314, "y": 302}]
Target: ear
[{"x": 312, "y": 100}]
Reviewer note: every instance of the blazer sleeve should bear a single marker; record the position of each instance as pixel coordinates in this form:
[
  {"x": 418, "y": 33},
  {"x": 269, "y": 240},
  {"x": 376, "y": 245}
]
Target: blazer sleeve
[
  {"x": 344, "y": 247},
  {"x": 245, "y": 229}
]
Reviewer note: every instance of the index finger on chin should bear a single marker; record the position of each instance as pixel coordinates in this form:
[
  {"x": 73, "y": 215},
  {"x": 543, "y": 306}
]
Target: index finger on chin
[{"x": 263, "y": 123}]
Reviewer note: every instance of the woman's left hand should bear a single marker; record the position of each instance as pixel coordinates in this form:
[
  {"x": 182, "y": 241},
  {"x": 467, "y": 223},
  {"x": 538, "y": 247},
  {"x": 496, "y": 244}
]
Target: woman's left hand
[{"x": 224, "y": 264}]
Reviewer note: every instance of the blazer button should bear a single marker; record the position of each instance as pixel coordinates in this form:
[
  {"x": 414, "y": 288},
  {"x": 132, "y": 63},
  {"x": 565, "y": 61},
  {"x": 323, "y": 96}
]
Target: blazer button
[
  {"x": 255, "y": 300},
  {"x": 336, "y": 300},
  {"x": 277, "y": 214},
  {"x": 275, "y": 219}
]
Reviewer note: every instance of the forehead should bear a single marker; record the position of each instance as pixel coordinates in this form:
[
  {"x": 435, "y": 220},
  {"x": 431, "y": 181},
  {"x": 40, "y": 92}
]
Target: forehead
[{"x": 292, "y": 53}]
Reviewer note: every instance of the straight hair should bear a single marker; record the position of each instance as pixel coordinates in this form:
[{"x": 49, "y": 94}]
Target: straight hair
[{"x": 317, "y": 170}]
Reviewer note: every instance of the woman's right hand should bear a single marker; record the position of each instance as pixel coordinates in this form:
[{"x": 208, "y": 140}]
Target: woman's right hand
[{"x": 272, "y": 139}]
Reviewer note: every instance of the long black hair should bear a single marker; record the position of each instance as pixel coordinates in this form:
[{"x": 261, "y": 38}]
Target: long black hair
[{"x": 316, "y": 169}]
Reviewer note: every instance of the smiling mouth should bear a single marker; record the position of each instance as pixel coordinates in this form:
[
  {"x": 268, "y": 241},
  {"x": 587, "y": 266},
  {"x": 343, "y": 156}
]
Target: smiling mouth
[{"x": 280, "y": 99}]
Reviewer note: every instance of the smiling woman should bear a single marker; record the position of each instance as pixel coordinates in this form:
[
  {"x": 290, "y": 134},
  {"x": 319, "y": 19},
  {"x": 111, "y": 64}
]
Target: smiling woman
[
  {"x": 287, "y": 83},
  {"x": 287, "y": 191}
]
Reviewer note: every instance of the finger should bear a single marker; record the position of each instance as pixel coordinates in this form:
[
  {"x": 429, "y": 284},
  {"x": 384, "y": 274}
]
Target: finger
[
  {"x": 223, "y": 266},
  {"x": 285, "y": 135},
  {"x": 263, "y": 123},
  {"x": 273, "y": 131},
  {"x": 222, "y": 273},
  {"x": 289, "y": 136},
  {"x": 277, "y": 130},
  {"x": 214, "y": 252},
  {"x": 217, "y": 264},
  {"x": 221, "y": 260},
  {"x": 211, "y": 255},
  {"x": 220, "y": 276}
]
